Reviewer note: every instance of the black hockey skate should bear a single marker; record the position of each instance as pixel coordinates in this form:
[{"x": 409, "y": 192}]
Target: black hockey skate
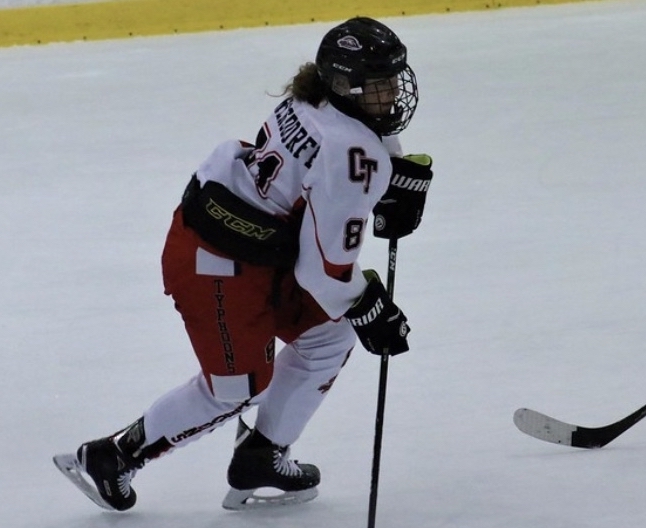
[
  {"x": 111, "y": 463},
  {"x": 257, "y": 463}
]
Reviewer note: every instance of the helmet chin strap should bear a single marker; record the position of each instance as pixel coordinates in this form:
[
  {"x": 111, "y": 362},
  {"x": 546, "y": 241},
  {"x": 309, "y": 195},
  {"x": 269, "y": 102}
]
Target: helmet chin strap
[{"x": 349, "y": 107}]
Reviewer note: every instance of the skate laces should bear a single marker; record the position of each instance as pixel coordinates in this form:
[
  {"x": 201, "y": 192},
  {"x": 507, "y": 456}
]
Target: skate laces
[
  {"x": 123, "y": 482},
  {"x": 127, "y": 470},
  {"x": 283, "y": 465}
]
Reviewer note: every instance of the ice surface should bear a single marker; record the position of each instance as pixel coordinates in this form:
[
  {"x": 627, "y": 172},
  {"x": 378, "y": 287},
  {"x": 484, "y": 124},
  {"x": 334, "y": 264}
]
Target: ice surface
[{"x": 525, "y": 285}]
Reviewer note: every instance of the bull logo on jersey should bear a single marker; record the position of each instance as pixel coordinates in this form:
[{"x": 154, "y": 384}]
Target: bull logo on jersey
[
  {"x": 350, "y": 43},
  {"x": 327, "y": 386}
]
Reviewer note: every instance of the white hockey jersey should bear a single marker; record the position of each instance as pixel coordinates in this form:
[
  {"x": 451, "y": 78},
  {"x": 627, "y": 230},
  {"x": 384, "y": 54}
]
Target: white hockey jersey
[{"x": 331, "y": 164}]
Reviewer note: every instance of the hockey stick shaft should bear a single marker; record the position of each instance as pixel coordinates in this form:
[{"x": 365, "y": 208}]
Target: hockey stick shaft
[
  {"x": 552, "y": 430},
  {"x": 381, "y": 396}
]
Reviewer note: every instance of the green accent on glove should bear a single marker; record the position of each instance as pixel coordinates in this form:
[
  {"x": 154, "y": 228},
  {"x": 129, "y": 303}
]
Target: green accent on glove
[
  {"x": 370, "y": 275},
  {"x": 421, "y": 159}
]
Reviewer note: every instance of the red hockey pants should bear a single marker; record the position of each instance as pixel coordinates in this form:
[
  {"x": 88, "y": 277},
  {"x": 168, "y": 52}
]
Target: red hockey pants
[{"x": 228, "y": 313}]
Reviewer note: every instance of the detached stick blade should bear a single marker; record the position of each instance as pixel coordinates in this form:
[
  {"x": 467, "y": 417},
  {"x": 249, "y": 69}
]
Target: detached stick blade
[{"x": 543, "y": 427}]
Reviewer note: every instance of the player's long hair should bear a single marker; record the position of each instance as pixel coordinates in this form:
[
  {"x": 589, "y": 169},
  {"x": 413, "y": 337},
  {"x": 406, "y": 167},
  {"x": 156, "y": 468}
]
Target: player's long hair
[{"x": 307, "y": 85}]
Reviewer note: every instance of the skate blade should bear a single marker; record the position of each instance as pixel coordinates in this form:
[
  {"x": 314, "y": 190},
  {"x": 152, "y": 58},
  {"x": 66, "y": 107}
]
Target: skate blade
[
  {"x": 252, "y": 499},
  {"x": 69, "y": 466}
]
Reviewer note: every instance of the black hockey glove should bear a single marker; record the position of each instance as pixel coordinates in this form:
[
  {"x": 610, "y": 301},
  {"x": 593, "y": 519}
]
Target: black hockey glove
[
  {"x": 399, "y": 211},
  {"x": 380, "y": 325}
]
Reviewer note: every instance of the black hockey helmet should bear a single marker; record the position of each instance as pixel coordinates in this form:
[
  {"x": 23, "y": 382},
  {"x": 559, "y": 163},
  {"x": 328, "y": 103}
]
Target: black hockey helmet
[{"x": 361, "y": 50}]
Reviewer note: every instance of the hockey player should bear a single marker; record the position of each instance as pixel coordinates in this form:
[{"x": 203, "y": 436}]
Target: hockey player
[{"x": 264, "y": 245}]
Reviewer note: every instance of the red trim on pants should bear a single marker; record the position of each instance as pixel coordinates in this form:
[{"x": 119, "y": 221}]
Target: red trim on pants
[{"x": 230, "y": 320}]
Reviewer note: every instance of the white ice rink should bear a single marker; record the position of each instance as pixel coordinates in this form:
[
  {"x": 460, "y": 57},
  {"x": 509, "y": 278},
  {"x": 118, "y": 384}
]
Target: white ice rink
[{"x": 525, "y": 285}]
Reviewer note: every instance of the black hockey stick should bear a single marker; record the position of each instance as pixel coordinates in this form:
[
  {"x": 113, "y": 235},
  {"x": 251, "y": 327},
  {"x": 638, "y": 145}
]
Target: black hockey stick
[
  {"x": 552, "y": 430},
  {"x": 381, "y": 396}
]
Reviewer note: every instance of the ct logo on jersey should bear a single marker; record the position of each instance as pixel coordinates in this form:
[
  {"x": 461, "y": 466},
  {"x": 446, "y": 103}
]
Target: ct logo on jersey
[
  {"x": 361, "y": 167},
  {"x": 350, "y": 43}
]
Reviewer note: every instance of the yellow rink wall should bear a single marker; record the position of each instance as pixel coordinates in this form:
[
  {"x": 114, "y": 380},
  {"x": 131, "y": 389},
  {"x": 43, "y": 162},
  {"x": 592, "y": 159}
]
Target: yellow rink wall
[{"x": 125, "y": 18}]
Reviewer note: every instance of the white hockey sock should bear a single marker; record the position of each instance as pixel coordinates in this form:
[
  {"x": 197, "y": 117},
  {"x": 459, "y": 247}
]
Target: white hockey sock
[
  {"x": 303, "y": 373},
  {"x": 188, "y": 412}
]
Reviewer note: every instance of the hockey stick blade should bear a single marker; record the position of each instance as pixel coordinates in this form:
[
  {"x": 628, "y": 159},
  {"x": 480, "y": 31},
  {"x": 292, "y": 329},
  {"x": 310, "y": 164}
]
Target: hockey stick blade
[{"x": 543, "y": 427}]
